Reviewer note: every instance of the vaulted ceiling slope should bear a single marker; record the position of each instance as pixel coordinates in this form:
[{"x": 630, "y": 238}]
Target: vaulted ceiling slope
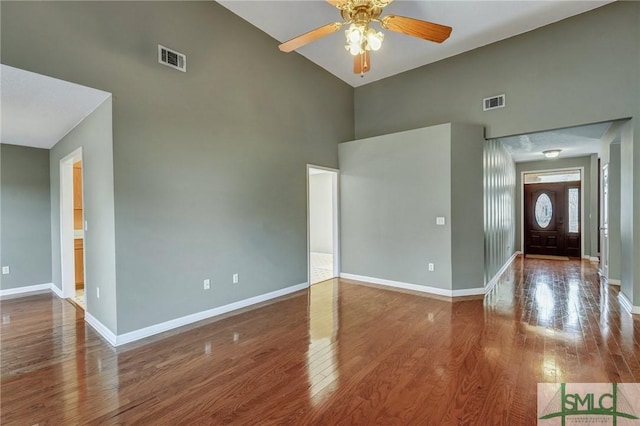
[{"x": 475, "y": 23}]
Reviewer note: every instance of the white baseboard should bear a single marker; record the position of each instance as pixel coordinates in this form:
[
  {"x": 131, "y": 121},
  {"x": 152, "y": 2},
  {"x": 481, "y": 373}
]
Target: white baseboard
[
  {"x": 626, "y": 303},
  {"x": 468, "y": 292},
  {"x": 132, "y": 336},
  {"x": 594, "y": 259},
  {"x": 116, "y": 340},
  {"x": 100, "y": 328},
  {"x": 613, "y": 282},
  {"x": 26, "y": 289},
  {"x": 57, "y": 291},
  {"x": 414, "y": 287},
  {"x": 493, "y": 281}
]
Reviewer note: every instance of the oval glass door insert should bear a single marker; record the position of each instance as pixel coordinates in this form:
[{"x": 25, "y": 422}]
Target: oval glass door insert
[{"x": 544, "y": 210}]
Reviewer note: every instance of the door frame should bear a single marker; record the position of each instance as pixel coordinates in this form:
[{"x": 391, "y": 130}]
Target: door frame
[
  {"x": 604, "y": 216},
  {"x": 335, "y": 191},
  {"x": 67, "y": 250},
  {"x": 582, "y": 191}
]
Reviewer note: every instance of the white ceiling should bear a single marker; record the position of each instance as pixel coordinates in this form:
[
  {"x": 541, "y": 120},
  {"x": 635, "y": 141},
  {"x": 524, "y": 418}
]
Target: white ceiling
[
  {"x": 38, "y": 111},
  {"x": 475, "y": 23},
  {"x": 573, "y": 141}
]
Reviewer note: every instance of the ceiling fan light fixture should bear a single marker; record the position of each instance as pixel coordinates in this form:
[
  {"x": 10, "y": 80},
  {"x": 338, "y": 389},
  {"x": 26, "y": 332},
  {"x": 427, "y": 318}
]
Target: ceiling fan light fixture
[
  {"x": 361, "y": 39},
  {"x": 551, "y": 153},
  {"x": 354, "y": 34},
  {"x": 355, "y": 39},
  {"x": 374, "y": 39},
  {"x": 354, "y": 49}
]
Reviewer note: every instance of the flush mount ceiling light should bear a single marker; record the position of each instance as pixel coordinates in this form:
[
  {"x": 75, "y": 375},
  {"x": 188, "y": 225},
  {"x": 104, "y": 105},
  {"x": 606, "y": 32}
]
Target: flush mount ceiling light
[
  {"x": 551, "y": 153},
  {"x": 361, "y": 38}
]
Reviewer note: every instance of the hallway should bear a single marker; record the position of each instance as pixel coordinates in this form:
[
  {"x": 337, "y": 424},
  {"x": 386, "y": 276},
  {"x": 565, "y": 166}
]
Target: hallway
[{"x": 357, "y": 354}]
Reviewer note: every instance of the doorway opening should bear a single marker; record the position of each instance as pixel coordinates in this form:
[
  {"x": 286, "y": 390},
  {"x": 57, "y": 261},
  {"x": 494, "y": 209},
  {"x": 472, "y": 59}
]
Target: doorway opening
[
  {"x": 553, "y": 213},
  {"x": 322, "y": 224},
  {"x": 72, "y": 227}
]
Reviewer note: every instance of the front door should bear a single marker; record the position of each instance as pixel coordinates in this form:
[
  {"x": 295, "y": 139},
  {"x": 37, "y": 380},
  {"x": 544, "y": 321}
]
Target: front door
[{"x": 552, "y": 220}]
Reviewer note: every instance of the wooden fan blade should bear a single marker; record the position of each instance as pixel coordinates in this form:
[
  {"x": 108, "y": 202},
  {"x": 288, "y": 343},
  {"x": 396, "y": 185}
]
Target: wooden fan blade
[
  {"x": 417, "y": 28},
  {"x": 310, "y": 36},
  {"x": 361, "y": 63}
]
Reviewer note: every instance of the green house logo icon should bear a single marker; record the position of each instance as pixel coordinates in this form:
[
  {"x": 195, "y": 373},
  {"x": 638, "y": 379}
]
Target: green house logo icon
[{"x": 590, "y": 402}]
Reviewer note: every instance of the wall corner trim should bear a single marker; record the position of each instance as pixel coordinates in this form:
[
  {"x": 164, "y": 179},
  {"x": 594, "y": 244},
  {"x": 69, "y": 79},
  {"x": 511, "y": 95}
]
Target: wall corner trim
[
  {"x": 414, "y": 287},
  {"x": 493, "y": 281},
  {"x": 132, "y": 336},
  {"x": 28, "y": 289},
  {"x": 100, "y": 328},
  {"x": 626, "y": 303},
  {"x": 56, "y": 291}
]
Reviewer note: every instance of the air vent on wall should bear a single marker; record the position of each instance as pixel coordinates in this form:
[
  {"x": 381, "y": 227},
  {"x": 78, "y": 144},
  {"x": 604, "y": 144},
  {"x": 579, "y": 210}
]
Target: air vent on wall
[
  {"x": 493, "y": 102},
  {"x": 172, "y": 59}
]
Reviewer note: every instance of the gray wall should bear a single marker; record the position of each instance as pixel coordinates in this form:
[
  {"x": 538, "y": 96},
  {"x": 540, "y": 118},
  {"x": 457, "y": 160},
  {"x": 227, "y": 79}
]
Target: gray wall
[
  {"x": 392, "y": 188},
  {"x": 321, "y": 213},
  {"x": 25, "y": 234},
  {"x": 94, "y": 135},
  {"x": 499, "y": 207},
  {"x": 209, "y": 165},
  {"x": 467, "y": 236},
  {"x": 590, "y": 232},
  {"x": 581, "y": 70}
]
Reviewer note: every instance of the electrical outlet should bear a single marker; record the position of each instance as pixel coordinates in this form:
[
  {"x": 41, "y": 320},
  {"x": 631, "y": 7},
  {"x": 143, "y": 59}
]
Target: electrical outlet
[
  {"x": 86, "y": 225},
  {"x": 235, "y": 278},
  {"x": 207, "y": 284},
  {"x": 5, "y": 270},
  {"x": 98, "y": 292},
  {"x": 431, "y": 267}
]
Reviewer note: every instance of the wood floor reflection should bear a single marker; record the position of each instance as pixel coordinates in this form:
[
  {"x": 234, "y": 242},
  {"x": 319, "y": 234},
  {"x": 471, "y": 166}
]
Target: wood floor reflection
[{"x": 341, "y": 353}]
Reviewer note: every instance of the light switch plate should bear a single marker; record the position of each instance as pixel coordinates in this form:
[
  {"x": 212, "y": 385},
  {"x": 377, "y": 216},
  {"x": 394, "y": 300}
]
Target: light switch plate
[{"x": 440, "y": 220}]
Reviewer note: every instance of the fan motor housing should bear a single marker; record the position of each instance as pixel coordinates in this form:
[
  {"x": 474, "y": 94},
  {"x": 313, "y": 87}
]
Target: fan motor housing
[{"x": 360, "y": 11}]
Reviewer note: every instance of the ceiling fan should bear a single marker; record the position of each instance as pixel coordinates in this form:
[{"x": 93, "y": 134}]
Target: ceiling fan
[{"x": 361, "y": 38}]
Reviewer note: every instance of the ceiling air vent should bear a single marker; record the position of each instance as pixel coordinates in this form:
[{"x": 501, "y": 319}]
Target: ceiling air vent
[
  {"x": 493, "y": 102},
  {"x": 172, "y": 59}
]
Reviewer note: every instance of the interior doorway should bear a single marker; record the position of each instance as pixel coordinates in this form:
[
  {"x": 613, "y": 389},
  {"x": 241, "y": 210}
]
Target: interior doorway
[
  {"x": 78, "y": 233},
  {"x": 72, "y": 227},
  {"x": 553, "y": 213},
  {"x": 322, "y": 224}
]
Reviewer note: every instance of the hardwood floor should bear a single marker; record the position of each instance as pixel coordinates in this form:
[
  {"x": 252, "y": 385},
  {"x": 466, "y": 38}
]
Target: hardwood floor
[{"x": 340, "y": 354}]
